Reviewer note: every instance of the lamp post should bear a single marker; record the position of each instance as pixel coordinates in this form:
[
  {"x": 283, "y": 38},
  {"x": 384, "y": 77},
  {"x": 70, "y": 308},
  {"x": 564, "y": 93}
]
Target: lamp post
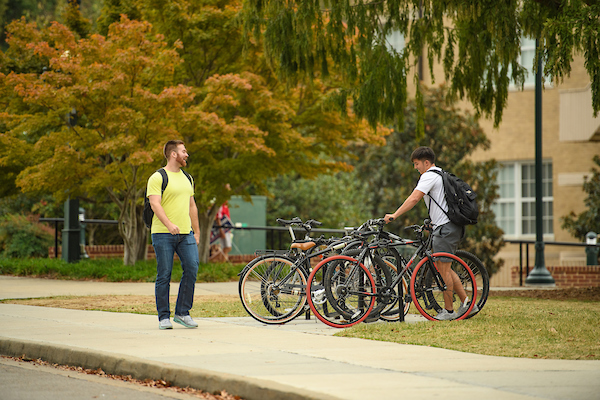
[
  {"x": 70, "y": 237},
  {"x": 539, "y": 275}
]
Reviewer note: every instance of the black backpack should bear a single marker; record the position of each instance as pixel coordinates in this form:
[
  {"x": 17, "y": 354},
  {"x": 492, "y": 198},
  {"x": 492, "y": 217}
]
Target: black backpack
[
  {"x": 148, "y": 212},
  {"x": 462, "y": 206}
]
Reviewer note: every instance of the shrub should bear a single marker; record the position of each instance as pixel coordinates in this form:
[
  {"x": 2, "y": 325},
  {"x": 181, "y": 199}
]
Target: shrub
[{"x": 23, "y": 236}]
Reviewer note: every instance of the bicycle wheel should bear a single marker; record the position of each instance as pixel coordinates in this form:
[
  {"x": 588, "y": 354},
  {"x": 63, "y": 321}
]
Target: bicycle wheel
[
  {"x": 481, "y": 277},
  {"x": 427, "y": 286},
  {"x": 390, "y": 312},
  {"x": 272, "y": 289},
  {"x": 345, "y": 298},
  {"x": 382, "y": 275}
]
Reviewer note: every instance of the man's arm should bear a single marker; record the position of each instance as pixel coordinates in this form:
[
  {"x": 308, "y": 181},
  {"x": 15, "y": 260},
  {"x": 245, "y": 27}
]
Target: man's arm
[
  {"x": 160, "y": 213},
  {"x": 194, "y": 218},
  {"x": 408, "y": 205}
]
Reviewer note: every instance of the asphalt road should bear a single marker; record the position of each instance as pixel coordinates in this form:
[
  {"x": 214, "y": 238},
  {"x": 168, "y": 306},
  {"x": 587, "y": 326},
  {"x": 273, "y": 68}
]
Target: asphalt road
[{"x": 21, "y": 380}]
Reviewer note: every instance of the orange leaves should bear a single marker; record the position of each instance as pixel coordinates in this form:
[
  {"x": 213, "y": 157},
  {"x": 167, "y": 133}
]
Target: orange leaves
[{"x": 120, "y": 87}]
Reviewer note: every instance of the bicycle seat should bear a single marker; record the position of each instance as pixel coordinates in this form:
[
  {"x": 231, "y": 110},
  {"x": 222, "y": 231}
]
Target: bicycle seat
[{"x": 303, "y": 245}]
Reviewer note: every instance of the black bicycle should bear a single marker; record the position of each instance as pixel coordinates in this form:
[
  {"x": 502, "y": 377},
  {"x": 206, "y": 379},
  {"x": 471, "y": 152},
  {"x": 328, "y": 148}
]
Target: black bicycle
[
  {"x": 350, "y": 289},
  {"x": 394, "y": 260}
]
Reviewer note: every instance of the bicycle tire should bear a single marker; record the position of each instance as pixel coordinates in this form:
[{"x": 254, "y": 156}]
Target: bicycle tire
[
  {"x": 394, "y": 261},
  {"x": 427, "y": 295},
  {"x": 481, "y": 277},
  {"x": 262, "y": 299},
  {"x": 382, "y": 275},
  {"x": 345, "y": 300},
  {"x": 390, "y": 313}
]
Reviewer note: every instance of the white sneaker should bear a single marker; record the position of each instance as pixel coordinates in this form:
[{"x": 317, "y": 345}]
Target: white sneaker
[
  {"x": 444, "y": 315},
  {"x": 165, "y": 324},
  {"x": 185, "y": 320},
  {"x": 465, "y": 306}
]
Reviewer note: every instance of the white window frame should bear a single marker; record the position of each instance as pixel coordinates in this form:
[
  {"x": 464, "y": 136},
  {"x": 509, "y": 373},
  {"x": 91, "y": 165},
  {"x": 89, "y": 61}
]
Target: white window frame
[
  {"x": 517, "y": 202},
  {"x": 526, "y": 60},
  {"x": 396, "y": 40}
]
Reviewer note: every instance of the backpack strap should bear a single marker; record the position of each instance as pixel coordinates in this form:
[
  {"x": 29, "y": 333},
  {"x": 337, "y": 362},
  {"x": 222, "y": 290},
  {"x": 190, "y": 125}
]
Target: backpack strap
[
  {"x": 165, "y": 179},
  {"x": 189, "y": 178},
  {"x": 440, "y": 173}
]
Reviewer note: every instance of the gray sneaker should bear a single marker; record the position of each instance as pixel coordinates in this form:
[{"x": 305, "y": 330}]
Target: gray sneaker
[
  {"x": 165, "y": 324},
  {"x": 444, "y": 315},
  {"x": 185, "y": 320},
  {"x": 465, "y": 306}
]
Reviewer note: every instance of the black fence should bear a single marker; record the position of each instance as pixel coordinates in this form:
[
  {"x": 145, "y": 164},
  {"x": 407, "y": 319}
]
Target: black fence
[
  {"x": 277, "y": 236},
  {"x": 526, "y": 243}
]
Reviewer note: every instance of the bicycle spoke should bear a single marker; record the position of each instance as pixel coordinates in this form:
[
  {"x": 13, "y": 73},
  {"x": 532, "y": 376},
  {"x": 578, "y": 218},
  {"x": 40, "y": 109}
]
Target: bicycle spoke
[{"x": 272, "y": 290}]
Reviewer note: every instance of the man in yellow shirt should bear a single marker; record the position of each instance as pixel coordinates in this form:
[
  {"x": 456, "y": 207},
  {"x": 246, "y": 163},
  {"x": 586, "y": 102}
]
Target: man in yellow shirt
[{"x": 175, "y": 230}]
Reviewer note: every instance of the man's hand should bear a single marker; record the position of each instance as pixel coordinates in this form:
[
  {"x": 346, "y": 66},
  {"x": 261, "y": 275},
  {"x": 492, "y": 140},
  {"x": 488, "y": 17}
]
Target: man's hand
[
  {"x": 388, "y": 218},
  {"x": 197, "y": 237},
  {"x": 173, "y": 229}
]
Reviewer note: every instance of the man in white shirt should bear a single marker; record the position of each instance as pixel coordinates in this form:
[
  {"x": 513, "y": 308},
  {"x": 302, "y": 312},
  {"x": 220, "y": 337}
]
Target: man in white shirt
[{"x": 446, "y": 235}]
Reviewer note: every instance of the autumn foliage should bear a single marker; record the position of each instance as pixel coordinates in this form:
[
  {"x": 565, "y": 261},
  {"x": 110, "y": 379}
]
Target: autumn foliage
[{"x": 87, "y": 117}]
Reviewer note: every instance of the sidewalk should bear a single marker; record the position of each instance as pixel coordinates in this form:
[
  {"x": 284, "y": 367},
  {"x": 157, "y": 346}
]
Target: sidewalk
[{"x": 298, "y": 360}]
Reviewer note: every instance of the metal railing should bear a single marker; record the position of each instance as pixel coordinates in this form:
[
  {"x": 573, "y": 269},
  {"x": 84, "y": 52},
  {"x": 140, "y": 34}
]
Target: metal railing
[
  {"x": 532, "y": 242},
  {"x": 57, "y": 221},
  {"x": 278, "y": 233}
]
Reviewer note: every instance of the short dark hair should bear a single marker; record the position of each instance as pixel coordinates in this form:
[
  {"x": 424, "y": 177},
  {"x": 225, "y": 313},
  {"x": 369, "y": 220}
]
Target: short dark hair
[
  {"x": 423, "y": 153},
  {"x": 170, "y": 146}
]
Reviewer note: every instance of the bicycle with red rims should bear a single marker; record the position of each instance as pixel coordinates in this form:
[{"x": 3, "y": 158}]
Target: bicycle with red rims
[{"x": 347, "y": 284}]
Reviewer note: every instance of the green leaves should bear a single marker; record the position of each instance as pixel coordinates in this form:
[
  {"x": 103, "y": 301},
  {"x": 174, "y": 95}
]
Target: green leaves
[
  {"x": 589, "y": 220},
  {"x": 476, "y": 42}
]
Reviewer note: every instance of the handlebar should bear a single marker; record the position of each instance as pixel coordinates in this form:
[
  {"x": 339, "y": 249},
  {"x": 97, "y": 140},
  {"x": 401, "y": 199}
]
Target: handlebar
[{"x": 296, "y": 221}]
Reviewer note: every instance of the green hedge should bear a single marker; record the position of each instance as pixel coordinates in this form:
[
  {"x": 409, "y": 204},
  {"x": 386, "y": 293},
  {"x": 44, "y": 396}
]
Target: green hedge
[
  {"x": 110, "y": 270},
  {"x": 22, "y": 236}
]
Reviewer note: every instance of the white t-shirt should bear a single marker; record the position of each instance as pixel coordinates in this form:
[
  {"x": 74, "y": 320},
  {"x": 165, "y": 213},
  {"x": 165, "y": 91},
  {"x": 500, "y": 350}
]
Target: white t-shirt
[{"x": 431, "y": 184}]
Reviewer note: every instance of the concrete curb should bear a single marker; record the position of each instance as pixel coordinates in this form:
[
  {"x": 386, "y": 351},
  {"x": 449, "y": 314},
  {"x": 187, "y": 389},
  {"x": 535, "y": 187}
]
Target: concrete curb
[{"x": 197, "y": 378}]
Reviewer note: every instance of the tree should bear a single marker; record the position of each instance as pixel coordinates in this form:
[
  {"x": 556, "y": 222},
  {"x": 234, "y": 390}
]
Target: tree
[
  {"x": 245, "y": 126},
  {"x": 243, "y": 134},
  {"x": 336, "y": 200},
  {"x": 93, "y": 122},
  {"x": 120, "y": 96},
  {"x": 452, "y": 134},
  {"x": 589, "y": 220},
  {"x": 477, "y": 42}
]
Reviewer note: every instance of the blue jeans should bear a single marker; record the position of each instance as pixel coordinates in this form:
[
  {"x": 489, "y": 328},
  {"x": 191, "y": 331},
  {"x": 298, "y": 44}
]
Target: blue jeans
[{"x": 165, "y": 246}]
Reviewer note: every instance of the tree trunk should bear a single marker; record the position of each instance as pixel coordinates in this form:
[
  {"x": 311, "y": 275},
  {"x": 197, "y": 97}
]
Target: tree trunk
[
  {"x": 133, "y": 231},
  {"x": 206, "y": 220}
]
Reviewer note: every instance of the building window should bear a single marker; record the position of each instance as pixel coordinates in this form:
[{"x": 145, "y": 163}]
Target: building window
[
  {"x": 395, "y": 40},
  {"x": 515, "y": 209},
  {"x": 526, "y": 59}
]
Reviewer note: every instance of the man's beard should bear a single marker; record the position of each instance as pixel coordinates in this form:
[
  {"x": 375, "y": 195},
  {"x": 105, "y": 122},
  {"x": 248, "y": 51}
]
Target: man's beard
[{"x": 181, "y": 161}]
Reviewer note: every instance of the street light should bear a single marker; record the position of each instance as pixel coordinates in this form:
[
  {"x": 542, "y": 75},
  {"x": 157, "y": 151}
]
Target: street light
[{"x": 539, "y": 275}]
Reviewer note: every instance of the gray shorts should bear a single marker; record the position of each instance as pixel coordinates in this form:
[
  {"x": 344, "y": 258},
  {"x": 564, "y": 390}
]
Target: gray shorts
[{"x": 446, "y": 238}]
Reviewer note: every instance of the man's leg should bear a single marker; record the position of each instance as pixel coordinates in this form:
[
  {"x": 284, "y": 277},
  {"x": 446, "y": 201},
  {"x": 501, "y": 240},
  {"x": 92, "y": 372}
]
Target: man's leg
[
  {"x": 446, "y": 239},
  {"x": 164, "y": 248},
  {"x": 187, "y": 250},
  {"x": 453, "y": 284}
]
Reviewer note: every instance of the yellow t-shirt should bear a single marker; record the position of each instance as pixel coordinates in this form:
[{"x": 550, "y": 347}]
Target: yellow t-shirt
[{"x": 175, "y": 201}]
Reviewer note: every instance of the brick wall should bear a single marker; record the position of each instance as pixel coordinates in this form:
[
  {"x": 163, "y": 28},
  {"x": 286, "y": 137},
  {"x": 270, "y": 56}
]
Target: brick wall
[{"x": 566, "y": 276}]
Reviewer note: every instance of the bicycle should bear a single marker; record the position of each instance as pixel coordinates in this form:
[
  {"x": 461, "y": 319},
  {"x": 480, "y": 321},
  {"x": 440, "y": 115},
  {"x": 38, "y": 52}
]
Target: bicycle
[
  {"x": 272, "y": 287},
  {"x": 351, "y": 290},
  {"x": 393, "y": 259}
]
